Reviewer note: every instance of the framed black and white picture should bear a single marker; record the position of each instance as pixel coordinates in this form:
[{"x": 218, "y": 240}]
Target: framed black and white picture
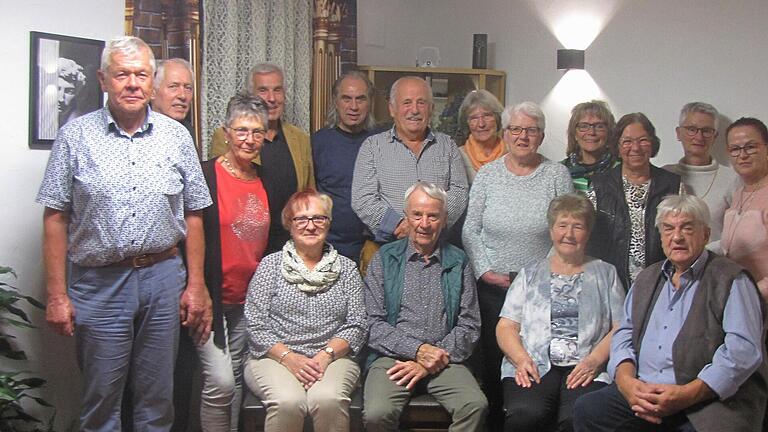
[{"x": 63, "y": 83}]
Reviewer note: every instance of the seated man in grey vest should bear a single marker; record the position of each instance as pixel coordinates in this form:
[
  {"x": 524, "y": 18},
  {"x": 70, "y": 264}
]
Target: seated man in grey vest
[
  {"x": 424, "y": 320},
  {"x": 689, "y": 354}
]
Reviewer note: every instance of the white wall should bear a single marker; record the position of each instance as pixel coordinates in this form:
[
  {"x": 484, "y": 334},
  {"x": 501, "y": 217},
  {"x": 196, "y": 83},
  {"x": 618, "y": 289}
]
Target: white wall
[
  {"x": 52, "y": 357},
  {"x": 651, "y": 56}
]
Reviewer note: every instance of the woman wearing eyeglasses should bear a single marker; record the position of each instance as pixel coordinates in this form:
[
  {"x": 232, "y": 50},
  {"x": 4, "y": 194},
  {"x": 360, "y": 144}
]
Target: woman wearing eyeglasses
[
  {"x": 626, "y": 198},
  {"x": 306, "y": 320},
  {"x": 481, "y": 112},
  {"x": 506, "y": 227},
  {"x": 236, "y": 229},
  {"x": 745, "y": 230},
  {"x": 587, "y": 153}
]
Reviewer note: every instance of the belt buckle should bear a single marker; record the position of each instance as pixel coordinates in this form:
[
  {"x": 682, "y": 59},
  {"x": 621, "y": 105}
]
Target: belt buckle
[{"x": 140, "y": 261}]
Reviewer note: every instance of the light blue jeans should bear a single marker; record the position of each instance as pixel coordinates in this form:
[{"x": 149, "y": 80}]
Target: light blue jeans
[
  {"x": 223, "y": 374},
  {"x": 127, "y": 319}
]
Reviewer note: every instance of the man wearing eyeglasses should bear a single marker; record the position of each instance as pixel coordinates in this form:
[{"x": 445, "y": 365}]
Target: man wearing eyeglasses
[
  {"x": 702, "y": 174},
  {"x": 390, "y": 162},
  {"x": 334, "y": 151},
  {"x": 285, "y": 159}
]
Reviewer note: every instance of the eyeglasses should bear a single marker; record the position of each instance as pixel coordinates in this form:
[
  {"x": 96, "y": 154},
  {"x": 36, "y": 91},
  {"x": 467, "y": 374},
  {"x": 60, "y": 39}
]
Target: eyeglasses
[
  {"x": 242, "y": 134},
  {"x": 320, "y": 221},
  {"x": 597, "y": 127},
  {"x": 706, "y": 132},
  {"x": 517, "y": 130},
  {"x": 486, "y": 117},
  {"x": 627, "y": 142},
  {"x": 749, "y": 149}
]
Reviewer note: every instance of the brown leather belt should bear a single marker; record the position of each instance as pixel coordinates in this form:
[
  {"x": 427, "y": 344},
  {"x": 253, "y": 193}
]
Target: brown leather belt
[{"x": 147, "y": 260}]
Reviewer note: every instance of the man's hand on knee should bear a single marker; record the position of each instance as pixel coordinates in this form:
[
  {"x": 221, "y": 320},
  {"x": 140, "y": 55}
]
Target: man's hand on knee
[
  {"x": 432, "y": 358},
  {"x": 407, "y": 373}
]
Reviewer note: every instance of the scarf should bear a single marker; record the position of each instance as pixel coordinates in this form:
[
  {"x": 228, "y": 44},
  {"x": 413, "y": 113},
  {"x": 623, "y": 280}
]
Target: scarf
[
  {"x": 309, "y": 281},
  {"x": 476, "y": 154},
  {"x": 578, "y": 169}
]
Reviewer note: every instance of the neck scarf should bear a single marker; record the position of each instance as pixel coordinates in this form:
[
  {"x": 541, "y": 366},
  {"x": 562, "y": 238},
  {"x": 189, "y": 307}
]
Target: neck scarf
[
  {"x": 579, "y": 169},
  {"x": 309, "y": 281},
  {"x": 477, "y": 155}
]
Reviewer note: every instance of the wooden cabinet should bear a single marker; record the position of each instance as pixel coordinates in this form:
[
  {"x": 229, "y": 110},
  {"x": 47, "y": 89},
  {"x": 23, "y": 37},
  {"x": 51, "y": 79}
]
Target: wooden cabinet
[{"x": 449, "y": 86}]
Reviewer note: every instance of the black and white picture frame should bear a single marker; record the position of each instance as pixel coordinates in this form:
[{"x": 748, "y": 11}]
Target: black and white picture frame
[{"x": 63, "y": 83}]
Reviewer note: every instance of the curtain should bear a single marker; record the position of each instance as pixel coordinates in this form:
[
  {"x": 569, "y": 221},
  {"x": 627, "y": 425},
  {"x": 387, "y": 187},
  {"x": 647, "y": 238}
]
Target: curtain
[{"x": 237, "y": 34}]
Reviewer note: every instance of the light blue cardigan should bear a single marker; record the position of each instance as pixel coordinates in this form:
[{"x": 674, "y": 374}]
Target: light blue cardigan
[{"x": 528, "y": 302}]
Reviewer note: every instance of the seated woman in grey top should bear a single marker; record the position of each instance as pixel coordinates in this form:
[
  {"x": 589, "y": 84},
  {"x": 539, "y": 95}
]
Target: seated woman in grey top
[
  {"x": 306, "y": 319},
  {"x": 556, "y": 324}
]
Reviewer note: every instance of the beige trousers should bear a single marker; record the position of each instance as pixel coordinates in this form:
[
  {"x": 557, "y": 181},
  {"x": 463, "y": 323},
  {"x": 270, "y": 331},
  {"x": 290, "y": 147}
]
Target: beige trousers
[{"x": 287, "y": 403}]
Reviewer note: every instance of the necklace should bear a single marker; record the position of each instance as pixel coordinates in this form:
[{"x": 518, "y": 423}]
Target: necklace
[
  {"x": 744, "y": 200},
  {"x": 710, "y": 185},
  {"x": 232, "y": 170}
]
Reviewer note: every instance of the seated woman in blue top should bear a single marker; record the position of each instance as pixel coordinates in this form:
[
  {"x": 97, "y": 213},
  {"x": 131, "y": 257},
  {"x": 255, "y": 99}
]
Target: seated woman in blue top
[{"x": 556, "y": 325}]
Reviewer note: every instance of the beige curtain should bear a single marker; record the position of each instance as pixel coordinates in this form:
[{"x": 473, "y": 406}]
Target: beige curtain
[{"x": 240, "y": 33}]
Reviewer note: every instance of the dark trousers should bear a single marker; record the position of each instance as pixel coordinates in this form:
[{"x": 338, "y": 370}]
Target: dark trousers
[
  {"x": 491, "y": 299},
  {"x": 606, "y": 410},
  {"x": 547, "y": 406}
]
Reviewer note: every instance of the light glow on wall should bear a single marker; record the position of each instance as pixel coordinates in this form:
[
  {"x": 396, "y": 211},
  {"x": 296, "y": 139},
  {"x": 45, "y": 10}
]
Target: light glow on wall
[
  {"x": 577, "y": 31},
  {"x": 575, "y": 23}
]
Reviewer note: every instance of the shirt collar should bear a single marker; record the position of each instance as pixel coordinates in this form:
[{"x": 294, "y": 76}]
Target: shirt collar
[
  {"x": 111, "y": 124},
  {"x": 428, "y": 137},
  {"x": 692, "y": 273},
  {"x": 414, "y": 255}
]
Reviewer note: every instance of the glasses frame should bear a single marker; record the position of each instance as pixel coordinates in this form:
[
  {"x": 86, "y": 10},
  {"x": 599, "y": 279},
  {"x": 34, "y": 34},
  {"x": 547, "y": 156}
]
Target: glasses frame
[
  {"x": 706, "y": 132},
  {"x": 643, "y": 141},
  {"x": 749, "y": 149},
  {"x": 256, "y": 134},
  {"x": 487, "y": 116},
  {"x": 319, "y": 221},
  {"x": 585, "y": 127},
  {"x": 518, "y": 130}
]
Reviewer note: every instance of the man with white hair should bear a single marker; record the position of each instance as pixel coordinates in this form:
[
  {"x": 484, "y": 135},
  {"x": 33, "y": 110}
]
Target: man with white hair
[
  {"x": 391, "y": 161},
  {"x": 689, "y": 354},
  {"x": 424, "y": 320},
  {"x": 703, "y": 176},
  {"x": 173, "y": 89},
  {"x": 122, "y": 189}
]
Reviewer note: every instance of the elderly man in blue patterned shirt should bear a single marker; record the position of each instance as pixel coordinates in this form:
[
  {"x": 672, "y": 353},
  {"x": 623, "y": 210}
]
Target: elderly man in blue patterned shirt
[
  {"x": 391, "y": 161},
  {"x": 424, "y": 320},
  {"x": 122, "y": 189}
]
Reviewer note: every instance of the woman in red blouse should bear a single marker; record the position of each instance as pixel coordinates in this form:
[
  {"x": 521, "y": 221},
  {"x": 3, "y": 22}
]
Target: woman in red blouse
[{"x": 236, "y": 231}]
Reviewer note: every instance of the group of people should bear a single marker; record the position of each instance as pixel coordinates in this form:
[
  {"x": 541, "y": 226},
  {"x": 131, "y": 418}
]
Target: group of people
[{"x": 603, "y": 292}]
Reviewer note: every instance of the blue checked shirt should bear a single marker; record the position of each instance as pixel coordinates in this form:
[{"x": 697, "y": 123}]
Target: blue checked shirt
[
  {"x": 386, "y": 168},
  {"x": 126, "y": 195}
]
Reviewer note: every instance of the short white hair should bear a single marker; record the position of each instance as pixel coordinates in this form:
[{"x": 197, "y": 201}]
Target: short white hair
[
  {"x": 126, "y": 45},
  {"x": 263, "y": 69},
  {"x": 685, "y": 203},
  {"x": 160, "y": 73},
  {"x": 530, "y": 109},
  {"x": 698, "y": 107},
  {"x": 432, "y": 190},
  {"x": 396, "y": 85}
]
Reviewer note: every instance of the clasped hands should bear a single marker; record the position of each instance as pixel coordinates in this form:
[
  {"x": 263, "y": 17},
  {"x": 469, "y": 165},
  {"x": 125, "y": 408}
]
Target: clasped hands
[
  {"x": 429, "y": 361},
  {"x": 308, "y": 370},
  {"x": 652, "y": 402}
]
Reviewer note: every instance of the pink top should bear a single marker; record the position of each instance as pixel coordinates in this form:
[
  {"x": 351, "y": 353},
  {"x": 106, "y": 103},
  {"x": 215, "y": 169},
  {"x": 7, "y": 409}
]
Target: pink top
[{"x": 745, "y": 232}]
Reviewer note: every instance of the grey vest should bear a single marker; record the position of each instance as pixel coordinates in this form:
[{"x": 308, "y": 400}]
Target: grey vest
[{"x": 700, "y": 336}]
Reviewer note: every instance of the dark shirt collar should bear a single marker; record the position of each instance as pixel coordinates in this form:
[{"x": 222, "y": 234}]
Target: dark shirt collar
[
  {"x": 414, "y": 255},
  {"x": 111, "y": 124},
  {"x": 692, "y": 273},
  {"x": 279, "y": 136},
  {"x": 349, "y": 134}
]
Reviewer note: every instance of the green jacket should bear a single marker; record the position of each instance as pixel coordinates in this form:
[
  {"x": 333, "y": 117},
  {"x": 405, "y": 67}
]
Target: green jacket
[{"x": 393, "y": 259}]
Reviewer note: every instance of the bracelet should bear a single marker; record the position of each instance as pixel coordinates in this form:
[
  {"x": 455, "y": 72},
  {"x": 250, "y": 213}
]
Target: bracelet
[{"x": 285, "y": 353}]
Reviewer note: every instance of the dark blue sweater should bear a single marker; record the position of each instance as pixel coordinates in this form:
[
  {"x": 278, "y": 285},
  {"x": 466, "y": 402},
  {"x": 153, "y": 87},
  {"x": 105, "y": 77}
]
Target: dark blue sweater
[{"x": 334, "y": 153}]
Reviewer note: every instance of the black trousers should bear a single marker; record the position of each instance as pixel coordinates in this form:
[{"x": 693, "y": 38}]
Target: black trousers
[
  {"x": 606, "y": 410},
  {"x": 547, "y": 406},
  {"x": 490, "y": 299}
]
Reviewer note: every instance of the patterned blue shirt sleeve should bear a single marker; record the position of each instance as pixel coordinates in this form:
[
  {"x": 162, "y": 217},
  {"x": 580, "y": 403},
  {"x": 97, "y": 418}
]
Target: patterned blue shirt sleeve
[
  {"x": 56, "y": 189},
  {"x": 622, "y": 348},
  {"x": 461, "y": 340},
  {"x": 366, "y": 200},
  {"x": 458, "y": 189},
  {"x": 196, "y": 194},
  {"x": 384, "y": 338},
  {"x": 741, "y": 353}
]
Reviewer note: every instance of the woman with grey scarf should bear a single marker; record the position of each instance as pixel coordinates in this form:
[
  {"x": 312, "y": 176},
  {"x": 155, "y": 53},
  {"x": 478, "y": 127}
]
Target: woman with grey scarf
[{"x": 306, "y": 321}]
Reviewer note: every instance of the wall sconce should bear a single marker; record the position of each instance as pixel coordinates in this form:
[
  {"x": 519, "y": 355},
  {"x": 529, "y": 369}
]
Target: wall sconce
[{"x": 570, "y": 59}]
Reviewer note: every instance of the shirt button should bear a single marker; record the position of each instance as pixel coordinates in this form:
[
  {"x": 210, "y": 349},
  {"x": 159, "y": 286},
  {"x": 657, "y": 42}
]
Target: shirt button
[
  {"x": 133, "y": 163},
  {"x": 665, "y": 327},
  {"x": 134, "y": 188},
  {"x": 659, "y": 346},
  {"x": 133, "y": 242},
  {"x": 133, "y": 214}
]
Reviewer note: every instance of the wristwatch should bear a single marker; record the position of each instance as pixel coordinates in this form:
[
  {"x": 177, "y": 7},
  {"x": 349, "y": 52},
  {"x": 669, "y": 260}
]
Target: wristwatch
[{"x": 328, "y": 350}]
